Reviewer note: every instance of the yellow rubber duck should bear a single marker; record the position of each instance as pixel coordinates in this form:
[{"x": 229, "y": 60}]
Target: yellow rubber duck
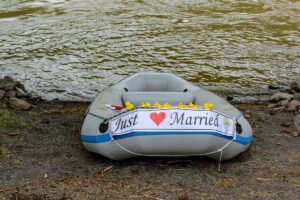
[
  {"x": 194, "y": 106},
  {"x": 129, "y": 105},
  {"x": 157, "y": 105},
  {"x": 142, "y": 105},
  {"x": 167, "y": 105},
  {"x": 147, "y": 105},
  {"x": 208, "y": 106},
  {"x": 181, "y": 105}
]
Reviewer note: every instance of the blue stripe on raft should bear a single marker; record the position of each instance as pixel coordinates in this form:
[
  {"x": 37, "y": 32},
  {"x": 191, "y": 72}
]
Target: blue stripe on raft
[{"x": 106, "y": 137}]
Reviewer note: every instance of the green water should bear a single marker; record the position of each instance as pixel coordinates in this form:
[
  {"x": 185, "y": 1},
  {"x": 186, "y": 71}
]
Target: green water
[{"x": 72, "y": 49}]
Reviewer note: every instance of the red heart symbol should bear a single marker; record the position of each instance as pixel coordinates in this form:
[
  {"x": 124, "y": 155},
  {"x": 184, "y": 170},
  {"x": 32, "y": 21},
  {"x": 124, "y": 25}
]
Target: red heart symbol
[{"x": 157, "y": 118}]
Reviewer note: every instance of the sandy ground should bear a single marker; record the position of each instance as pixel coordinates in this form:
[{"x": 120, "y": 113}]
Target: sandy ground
[{"x": 46, "y": 160}]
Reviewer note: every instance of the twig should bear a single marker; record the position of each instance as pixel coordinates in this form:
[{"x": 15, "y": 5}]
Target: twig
[
  {"x": 107, "y": 169},
  {"x": 145, "y": 195}
]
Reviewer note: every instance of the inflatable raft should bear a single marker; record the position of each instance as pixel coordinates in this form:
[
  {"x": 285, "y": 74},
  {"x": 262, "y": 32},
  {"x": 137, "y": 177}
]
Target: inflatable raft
[{"x": 160, "y": 114}]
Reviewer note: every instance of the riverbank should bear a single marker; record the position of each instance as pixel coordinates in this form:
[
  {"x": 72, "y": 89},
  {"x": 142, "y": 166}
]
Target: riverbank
[{"x": 42, "y": 158}]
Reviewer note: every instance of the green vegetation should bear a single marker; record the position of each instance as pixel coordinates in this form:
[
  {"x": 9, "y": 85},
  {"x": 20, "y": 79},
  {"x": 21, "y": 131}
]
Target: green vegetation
[
  {"x": 9, "y": 121},
  {"x": 3, "y": 150}
]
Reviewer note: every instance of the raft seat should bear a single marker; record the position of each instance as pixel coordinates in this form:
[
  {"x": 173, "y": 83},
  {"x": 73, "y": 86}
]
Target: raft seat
[{"x": 173, "y": 98}]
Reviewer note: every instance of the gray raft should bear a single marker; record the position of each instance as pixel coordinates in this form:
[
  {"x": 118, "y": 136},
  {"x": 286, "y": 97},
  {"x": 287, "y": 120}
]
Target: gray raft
[{"x": 162, "y": 87}]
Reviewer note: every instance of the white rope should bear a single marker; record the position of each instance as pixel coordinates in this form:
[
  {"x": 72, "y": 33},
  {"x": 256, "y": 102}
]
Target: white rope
[
  {"x": 173, "y": 155},
  {"x": 180, "y": 155}
]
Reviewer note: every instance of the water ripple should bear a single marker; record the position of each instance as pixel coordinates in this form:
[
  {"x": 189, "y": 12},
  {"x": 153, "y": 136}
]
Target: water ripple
[{"x": 73, "y": 49}]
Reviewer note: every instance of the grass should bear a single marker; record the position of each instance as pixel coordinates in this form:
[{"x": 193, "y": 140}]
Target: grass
[
  {"x": 9, "y": 121},
  {"x": 3, "y": 150}
]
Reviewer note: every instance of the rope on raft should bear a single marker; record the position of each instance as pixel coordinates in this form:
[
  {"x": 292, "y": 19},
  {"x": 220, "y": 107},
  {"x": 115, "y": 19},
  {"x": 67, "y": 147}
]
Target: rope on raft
[{"x": 220, "y": 150}]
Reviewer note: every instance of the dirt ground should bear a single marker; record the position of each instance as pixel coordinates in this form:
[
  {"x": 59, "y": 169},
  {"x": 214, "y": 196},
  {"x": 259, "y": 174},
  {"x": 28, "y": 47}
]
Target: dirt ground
[{"x": 42, "y": 158}]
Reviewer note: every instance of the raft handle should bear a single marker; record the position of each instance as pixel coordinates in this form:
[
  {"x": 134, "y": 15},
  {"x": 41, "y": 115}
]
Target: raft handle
[
  {"x": 103, "y": 126},
  {"x": 238, "y": 128}
]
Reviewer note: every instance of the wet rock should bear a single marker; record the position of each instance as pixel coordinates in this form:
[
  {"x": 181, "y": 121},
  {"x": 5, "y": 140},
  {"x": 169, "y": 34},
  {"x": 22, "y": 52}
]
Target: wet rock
[
  {"x": 294, "y": 105},
  {"x": 20, "y": 92},
  {"x": 295, "y": 85},
  {"x": 20, "y": 85},
  {"x": 7, "y": 83},
  {"x": 10, "y": 94},
  {"x": 285, "y": 103},
  {"x": 18, "y": 103},
  {"x": 34, "y": 95},
  {"x": 279, "y": 96},
  {"x": 273, "y": 87},
  {"x": 297, "y": 122},
  {"x": 2, "y": 93}
]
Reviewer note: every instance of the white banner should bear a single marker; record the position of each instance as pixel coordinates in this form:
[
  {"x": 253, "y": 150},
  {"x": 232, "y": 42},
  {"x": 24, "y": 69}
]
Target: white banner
[{"x": 174, "y": 119}]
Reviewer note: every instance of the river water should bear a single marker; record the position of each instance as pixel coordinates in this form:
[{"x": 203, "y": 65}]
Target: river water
[{"x": 73, "y": 49}]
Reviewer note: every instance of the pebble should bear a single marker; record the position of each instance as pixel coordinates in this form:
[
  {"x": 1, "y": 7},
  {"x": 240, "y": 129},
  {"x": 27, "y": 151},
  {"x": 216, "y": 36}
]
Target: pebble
[
  {"x": 7, "y": 83},
  {"x": 285, "y": 130},
  {"x": 279, "y": 109},
  {"x": 34, "y": 95},
  {"x": 247, "y": 116},
  {"x": 281, "y": 96},
  {"x": 20, "y": 85},
  {"x": 297, "y": 122},
  {"x": 295, "y": 134},
  {"x": 273, "y": 87},
  {"x": 20, "y": 92},
  {"x": 295, "y": 85},
  {"x": 18, "y": 103},
  {"x": 285, "y": 124},
  {"x": 2, "y": 93},
  {"x": 297, "y": 96},
  {"x": 285, "y": 103},
  {"x": 294, "y": 105},
  {"x": 272, "y": 105},
  {"x": 10, "y": 94},
  {"x": 229, "y": 98}
]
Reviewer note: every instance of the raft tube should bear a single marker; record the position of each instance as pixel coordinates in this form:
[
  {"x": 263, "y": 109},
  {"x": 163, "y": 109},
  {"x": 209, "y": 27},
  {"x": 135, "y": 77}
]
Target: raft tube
[{"x": 97, "y": 136}]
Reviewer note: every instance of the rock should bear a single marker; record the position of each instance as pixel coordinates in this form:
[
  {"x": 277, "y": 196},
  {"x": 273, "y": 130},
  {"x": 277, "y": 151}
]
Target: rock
[
  {"x": 2, "y": 93},
  {"x": 272, "y": 105},
  {"x": 295, "y": 85},
  {"x": 295, "y": 134},
  {"x": 279, "y": 109},
  {"x": 285, "y": 103},
  {"x": 20, "y": 92},
  {"x": 229, "y": 98},
  {"x": 286, "y": 130},
  {"x": 247, "y": 116},
  {"x": 34, "y": 95},
  {"x": 273, "y": 87},
  {"x": 297, "y": 96},
  {"x": 297, "y": 122},
  {"x": 10, "y": 94},
  {"x": 285, "y": 124},
  {"x": 7, "y": 83},
  {"x": 294, "y": 105},
  {"x": 20, "y": 85},
  {"x": 18, "y": 103},
  {"x": 272, "y": 112},
  {"x": 281, "y": 96}
]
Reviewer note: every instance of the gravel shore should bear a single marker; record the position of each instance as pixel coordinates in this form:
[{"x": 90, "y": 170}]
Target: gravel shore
[{"x": 42, "y": 157}]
